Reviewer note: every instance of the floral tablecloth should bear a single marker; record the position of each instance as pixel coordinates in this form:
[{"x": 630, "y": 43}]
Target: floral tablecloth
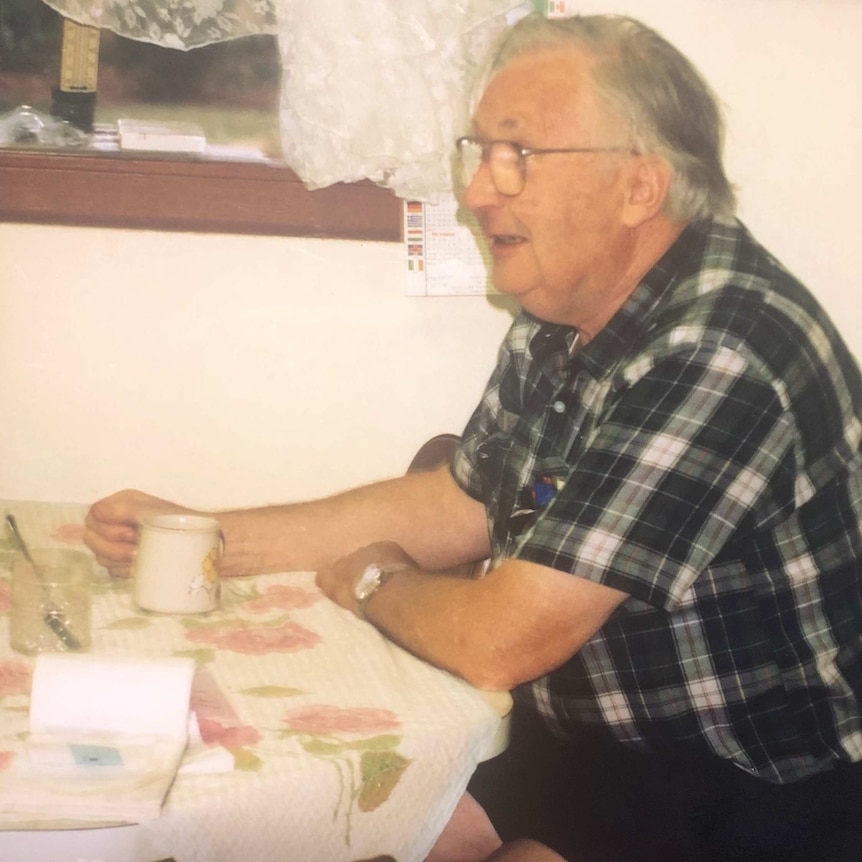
[{"x": 344, "y": 746}]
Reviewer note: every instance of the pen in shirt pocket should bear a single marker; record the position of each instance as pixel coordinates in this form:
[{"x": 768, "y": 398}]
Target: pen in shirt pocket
[{"x": 532, "y": 500}]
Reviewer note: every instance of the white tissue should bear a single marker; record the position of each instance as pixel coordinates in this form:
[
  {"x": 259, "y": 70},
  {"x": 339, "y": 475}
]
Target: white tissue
[
  {"x": 131, "y": 696},
  {"x": 106, "y": 738}
]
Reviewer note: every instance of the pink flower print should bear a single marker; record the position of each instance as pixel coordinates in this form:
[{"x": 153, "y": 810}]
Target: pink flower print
[
  {"x": 284, "y": 598},
  {"x": 15, "y": 677},
  {"x": 288, "y": 637},
  {"x": 6, "y": 758},
  {"x": 5, "y": 595},
  {"x": 69, "y": 534},
  {"x": 325, "y": 718},
  {"x": 214, "y": 733}
]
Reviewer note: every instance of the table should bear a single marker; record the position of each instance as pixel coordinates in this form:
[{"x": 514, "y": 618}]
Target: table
[{"x": 344, "y": 746}]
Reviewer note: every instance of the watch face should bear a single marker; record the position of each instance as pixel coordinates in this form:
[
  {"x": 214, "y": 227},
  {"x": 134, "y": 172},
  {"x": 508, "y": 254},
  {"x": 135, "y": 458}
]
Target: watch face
[{"x": 368, "y": 582}]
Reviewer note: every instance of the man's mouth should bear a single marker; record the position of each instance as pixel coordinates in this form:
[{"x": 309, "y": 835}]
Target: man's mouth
[{"x": 503, "y": 239}]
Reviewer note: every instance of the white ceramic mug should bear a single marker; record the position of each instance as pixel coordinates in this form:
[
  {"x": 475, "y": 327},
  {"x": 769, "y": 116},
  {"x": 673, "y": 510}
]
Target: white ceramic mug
[{"x": 177, "y": 567}]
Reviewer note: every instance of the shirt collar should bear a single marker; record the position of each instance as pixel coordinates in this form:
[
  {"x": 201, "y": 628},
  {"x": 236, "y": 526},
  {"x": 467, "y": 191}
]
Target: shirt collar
[{"x": 631, "y": 324}]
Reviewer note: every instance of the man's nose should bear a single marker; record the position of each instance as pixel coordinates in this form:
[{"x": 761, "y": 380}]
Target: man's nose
[{"x": 481, "y": 191}]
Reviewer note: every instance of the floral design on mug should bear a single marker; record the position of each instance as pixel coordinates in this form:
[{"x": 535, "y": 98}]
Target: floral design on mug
[{"x": 207, "y": 580}]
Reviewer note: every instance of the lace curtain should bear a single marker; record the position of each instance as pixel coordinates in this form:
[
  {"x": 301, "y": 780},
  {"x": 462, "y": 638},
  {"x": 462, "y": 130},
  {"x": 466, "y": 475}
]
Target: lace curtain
[{"x": 370, "y": 88}]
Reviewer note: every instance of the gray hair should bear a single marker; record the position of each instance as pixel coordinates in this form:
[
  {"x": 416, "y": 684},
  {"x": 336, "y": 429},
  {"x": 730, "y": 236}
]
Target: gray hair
[{"x": 652, "y": 87}]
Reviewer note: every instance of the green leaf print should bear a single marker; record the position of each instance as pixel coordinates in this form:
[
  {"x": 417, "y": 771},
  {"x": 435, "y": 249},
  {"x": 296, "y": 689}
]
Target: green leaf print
[
  {"x": 271, "y": 691},
  {"x": 130, "y": 624},
  {"x": 380, "y": 772}
]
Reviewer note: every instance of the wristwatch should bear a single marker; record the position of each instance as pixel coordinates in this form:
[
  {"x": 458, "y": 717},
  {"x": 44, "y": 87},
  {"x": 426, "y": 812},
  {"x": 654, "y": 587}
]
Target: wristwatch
[{"x": 371, "y": 580}]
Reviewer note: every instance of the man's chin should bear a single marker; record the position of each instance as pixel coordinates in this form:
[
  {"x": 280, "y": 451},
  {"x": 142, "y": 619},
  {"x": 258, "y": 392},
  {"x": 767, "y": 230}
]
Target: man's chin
[
  {"x": 526, "y": 297},
  {"x": 513, "y": 287},
  {"x": 530, "y": 297},
  {"x": 531, "y": 302}
]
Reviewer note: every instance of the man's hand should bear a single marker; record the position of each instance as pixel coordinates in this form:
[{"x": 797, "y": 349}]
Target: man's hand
[
  {"x": 111, "y": 528},
  {"x": 338, "y": 580}
]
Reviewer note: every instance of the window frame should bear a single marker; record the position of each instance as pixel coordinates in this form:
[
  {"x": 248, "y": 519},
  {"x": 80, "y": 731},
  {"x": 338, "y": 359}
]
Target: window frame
[{"x": 201, "y": 196}]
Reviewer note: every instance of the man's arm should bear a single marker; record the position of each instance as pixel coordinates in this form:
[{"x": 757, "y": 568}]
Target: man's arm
[
  {"x": 427, "y": 514},
  {"x": 515, "y": 624}
]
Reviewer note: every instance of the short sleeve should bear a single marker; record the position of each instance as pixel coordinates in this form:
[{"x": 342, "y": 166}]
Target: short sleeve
[{"x": 694, "y": 453}]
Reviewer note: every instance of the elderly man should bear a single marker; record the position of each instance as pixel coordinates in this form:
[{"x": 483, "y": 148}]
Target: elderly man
[{"x": 664, "y": 470}]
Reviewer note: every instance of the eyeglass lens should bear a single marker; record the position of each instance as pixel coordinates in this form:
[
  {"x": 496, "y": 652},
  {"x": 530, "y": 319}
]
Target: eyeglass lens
[{"x": 504, "y": 159}]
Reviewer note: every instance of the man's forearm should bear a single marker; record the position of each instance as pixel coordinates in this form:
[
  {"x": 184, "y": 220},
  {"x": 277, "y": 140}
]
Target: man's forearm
[
  {"x": 426, "y": 513},
  {"x": 513, "y": 625}
]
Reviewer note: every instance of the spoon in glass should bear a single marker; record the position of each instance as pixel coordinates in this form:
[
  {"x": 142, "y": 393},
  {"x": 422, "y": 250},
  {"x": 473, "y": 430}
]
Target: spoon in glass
[{"x": 52, "y": 613}]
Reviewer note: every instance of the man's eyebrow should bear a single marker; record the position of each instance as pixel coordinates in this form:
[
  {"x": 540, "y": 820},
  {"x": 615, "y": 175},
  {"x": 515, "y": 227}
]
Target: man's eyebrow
[{"x": 508, "y": 125}]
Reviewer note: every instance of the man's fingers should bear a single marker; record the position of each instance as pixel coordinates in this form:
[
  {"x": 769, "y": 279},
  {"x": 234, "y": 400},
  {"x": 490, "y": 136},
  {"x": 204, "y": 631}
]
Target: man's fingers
[{"x": 121, "y": 533}]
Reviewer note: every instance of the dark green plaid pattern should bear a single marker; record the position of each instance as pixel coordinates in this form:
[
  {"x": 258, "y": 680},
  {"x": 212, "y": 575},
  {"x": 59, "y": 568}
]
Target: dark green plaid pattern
[{"x": 702, "y": 453}]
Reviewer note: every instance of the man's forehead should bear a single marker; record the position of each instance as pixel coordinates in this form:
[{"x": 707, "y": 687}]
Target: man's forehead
[{"x": 549, "y": 87}]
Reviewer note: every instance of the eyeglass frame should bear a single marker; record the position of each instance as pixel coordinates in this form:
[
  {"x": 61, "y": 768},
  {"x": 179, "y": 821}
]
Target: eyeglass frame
[{"x": 523, "y": 154}]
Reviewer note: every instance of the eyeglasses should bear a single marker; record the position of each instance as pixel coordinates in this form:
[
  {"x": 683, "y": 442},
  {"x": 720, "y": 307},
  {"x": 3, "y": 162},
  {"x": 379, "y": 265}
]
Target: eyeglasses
[{"x": 508, "y": 161}]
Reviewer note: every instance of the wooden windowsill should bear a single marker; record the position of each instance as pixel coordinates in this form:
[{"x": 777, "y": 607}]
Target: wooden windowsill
[{"x": 200, "y": 196}]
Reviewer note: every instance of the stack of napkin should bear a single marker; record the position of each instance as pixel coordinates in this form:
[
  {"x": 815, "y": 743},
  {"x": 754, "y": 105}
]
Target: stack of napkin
[{"x": 106, "y": 737}]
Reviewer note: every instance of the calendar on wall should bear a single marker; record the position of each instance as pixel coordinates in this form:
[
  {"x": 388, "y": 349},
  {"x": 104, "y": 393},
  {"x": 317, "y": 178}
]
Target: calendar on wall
[{"x": 445, "y": 252}]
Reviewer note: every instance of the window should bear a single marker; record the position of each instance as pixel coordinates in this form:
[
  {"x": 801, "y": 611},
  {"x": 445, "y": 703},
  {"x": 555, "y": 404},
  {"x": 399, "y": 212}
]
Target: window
[{"x": 228, "y": 90}]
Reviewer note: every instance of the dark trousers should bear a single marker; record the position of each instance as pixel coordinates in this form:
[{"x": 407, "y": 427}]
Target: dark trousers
[{"x": 593, "y": 800}]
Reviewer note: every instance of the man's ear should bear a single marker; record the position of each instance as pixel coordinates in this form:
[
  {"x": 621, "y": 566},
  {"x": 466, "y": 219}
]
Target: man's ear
[{"x": 649, "y": 182}]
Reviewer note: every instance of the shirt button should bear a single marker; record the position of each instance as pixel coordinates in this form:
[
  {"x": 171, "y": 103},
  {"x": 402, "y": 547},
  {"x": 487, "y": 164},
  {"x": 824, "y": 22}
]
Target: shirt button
[{"x": 559, "y": 406}]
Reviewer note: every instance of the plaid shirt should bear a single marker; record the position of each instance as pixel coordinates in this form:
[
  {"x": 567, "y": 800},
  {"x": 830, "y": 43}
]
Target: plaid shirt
[{"x": 702, "y": 454}]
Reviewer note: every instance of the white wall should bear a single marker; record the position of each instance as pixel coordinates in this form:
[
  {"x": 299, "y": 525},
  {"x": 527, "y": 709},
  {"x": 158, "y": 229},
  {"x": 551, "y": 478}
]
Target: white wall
[
  {"x": 223, "y": 370},
  {"x": 789, "y": 74}
]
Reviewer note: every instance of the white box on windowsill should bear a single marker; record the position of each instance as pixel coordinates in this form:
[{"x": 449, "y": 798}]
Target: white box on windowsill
[{"x": 162, "y": 137}]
